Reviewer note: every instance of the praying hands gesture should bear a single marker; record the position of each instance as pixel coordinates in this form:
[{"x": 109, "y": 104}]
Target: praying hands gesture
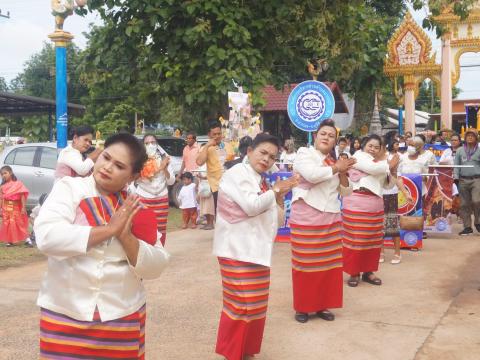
[{"x": 282, "y": 187}]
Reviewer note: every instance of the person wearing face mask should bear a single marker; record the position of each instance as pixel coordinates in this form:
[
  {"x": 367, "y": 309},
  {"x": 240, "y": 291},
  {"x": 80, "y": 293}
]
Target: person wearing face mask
[
  {"x": 152, "y": 185},
  {"x": 70, "y": 160},
  {"x": 248, "y": 216},
  {"x": 363, "y": 211},
  {"x": 316, "y": 227}
]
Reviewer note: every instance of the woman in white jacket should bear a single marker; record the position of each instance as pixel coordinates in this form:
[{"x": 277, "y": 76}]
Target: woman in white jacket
[
  {"x": 152, "y": 185},
  {"x": 247, "y": 222},
  {"x": 363, "y": 211},
  {"x": 316, "y": 227},
  {"x": 98, "y": 251},
  {"x": 70, "y": 160}
]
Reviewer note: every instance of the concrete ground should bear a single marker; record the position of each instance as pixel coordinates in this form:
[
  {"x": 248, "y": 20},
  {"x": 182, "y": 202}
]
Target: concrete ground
[{"x": 428, "y": 308}]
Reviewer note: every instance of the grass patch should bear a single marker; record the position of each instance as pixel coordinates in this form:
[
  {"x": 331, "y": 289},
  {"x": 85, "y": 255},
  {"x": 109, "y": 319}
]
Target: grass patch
[
  {"x": 19, "y": 255},
  {"x": 175, "y": 220}
]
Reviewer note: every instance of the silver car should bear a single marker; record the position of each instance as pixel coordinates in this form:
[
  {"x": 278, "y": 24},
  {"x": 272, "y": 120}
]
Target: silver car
[{"x": 34, "y": 165}]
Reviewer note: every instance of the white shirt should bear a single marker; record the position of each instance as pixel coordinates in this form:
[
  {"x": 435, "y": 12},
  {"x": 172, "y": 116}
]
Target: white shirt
[
  {"x": 78, "y": 279},
  {"x": 250, "y": 239},
  {"x": 417, "y": 166},
  {"x": 394, "y": 189},
  {"x": 323, "y": 196},
  {"x": 287, "y": 158},
  {"x": 158, "y": 185},
  {"x": 447, "y": 157},
  {"x": 187, "y": 196},
  {"x": 377, "y": 173},
  {"x": 72, "y": 159}
]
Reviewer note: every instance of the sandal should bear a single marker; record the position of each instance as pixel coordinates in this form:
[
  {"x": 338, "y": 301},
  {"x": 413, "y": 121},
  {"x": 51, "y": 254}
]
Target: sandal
[
  {"x": 326, "y": 315},
  {"x": 301, "y": 317},
  {"x": 367, "y": 277},
  {"x": 353, "y": 281},
  {"x": 397, "y": 259}
]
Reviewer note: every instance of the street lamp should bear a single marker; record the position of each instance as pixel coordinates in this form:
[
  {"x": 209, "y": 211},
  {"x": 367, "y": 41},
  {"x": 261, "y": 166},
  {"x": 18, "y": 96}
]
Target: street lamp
[{"x": 61, "y": 10}]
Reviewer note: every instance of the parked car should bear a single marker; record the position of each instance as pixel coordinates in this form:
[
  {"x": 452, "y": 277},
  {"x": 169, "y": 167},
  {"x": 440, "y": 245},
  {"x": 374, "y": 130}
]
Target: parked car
[{"x": 33, "y": 164}]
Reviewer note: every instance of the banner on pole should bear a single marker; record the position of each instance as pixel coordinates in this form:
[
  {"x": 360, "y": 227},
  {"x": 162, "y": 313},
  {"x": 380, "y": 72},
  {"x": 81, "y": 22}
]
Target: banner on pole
[
  {"x": 439, "y": 200},
  {"x": 283, "y": 234}
]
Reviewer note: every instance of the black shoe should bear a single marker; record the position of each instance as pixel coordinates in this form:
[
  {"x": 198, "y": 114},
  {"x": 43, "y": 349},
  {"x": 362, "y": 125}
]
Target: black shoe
[
  {"x": 301, "y": 317},
  {"x": 466, "y": 231},
  {"x": 374, "y": 280},
  {"x": 326, "y": 315},
  {"x": 477, "y": 226}
]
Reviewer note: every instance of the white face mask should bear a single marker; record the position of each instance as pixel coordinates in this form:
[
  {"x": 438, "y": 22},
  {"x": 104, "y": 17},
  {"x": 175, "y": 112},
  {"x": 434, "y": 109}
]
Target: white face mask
[
  {"x": 411, "y": 150},
  {"x": 151, "y": 149}
]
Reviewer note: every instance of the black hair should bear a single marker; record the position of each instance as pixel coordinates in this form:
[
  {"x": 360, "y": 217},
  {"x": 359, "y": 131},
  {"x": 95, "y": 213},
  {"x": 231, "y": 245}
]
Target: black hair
[
  {"x": 457, "y": 135},
  {"x": 82, "y": 130},
  {"x": 342, "y": 139},
  {"x": 9, "y": 169},
  {"x": 330, "y": 123},
  {"x": 391, "y": 143},
  {"x": 137, "y": 150},
  {"x": 370, "y": 137},
  {"x": 187, "y": 175},
  {"x": 421, "y": 136},
  {"x": 193, "y": 134},
  {"x": 213, "y": 124},
  {"x": 42, "y": 198},
  {"x": 150, "y": 135},
  {"x": 243, "y": 145},
  {"x": 265, "y": 138}
]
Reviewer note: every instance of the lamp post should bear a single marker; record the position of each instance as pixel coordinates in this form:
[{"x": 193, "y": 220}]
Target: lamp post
[
  {"x": 400, "y": 99},
  {"x": 61, "y": 10}
]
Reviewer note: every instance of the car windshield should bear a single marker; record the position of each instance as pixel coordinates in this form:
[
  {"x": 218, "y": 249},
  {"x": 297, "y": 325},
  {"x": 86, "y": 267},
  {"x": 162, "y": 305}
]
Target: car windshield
[{"x": 173, "y": 147}]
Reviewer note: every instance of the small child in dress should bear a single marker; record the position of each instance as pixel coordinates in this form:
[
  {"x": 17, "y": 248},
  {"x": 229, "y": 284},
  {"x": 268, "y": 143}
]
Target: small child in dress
[
  {"x": 30, "y": 242},
  {"x": 188, "y": 203}
]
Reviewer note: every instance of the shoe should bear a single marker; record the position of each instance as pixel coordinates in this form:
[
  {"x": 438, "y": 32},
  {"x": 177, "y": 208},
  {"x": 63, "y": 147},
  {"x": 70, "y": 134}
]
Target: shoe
[
  {"x": 477, "y": 226},
  {"x": 374, "y": 281},
  {"x": 381, "y": 259},
  {"x": 424, "y": 235},
  {"x": 397, "y": 259},
  {"x": 28, "y": 243},
  {"x": 301, "y": 317},
  {"x": 8, "y": 244},
  {"x": 353, "y": 281},
  {"x": 207, "y": 227},
  {"x": 466, "y": 231},
  {"x": 326, "y": 315}
]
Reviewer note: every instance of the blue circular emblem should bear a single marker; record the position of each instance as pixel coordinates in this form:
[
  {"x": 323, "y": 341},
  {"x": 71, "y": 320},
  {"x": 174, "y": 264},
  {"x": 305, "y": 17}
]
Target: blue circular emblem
[
  {"x": 309, "y": 104},
  {"x": 410, "y": 238},
  {"x": 441, "y": 224}
]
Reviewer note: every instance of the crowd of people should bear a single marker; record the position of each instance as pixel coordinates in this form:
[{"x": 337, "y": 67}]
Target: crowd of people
[{"x": 103, "y": 227}]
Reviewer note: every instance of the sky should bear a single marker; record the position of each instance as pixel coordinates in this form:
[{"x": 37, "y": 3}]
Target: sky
[{"x": 31, "y": 21}]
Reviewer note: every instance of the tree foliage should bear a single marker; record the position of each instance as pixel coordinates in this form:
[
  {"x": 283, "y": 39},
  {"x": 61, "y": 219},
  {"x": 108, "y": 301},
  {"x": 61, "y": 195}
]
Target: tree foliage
[{"x": 154, "y": 53}]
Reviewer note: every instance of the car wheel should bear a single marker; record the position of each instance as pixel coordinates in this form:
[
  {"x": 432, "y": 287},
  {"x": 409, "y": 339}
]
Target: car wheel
[{"x": 174, "y": 191}]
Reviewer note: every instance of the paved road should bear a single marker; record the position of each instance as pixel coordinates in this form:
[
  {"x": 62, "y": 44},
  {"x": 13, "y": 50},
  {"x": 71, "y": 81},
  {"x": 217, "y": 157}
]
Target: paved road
[{"x": 428, "y": 308}]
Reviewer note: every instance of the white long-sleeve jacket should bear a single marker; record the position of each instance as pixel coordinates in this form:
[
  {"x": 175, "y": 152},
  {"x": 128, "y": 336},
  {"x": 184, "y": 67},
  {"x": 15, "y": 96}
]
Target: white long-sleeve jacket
[
  {"x": 79, "y": 280},
  {"x": 247, "y": 219},
  {"x": 377, "y": 174},
  {"x": 71, "y": 163},
  {"x": 324, "y": 186}
]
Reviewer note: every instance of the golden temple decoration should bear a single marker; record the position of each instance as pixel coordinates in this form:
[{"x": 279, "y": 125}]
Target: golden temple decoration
[{"x": 409, "y": 55}]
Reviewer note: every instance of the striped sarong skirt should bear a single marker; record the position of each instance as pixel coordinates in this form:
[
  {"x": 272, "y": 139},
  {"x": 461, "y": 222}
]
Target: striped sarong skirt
[
  {"x": 363, "y": 232},
  {"x": 245, "y": 300},
  {"x": 317, "y": 265},
  {"x": 160, "y": 207},
  {"x": 62, "y": 337}
]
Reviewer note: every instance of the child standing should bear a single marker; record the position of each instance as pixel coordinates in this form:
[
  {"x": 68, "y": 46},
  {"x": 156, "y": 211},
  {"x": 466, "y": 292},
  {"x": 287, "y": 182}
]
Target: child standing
[
  {"x": 187, "y": 198},
  {"x": 13, "y": 198}
]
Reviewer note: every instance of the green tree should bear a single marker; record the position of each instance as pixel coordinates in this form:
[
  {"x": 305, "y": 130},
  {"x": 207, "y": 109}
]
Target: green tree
[
  {"x": 3, "y": 84},
  {"x": 158, "y": 52},
  {"x": 38, "y": 79}
]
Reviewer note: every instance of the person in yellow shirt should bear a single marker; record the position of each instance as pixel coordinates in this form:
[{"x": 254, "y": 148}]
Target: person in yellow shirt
[{"x": 214, "y": 154}]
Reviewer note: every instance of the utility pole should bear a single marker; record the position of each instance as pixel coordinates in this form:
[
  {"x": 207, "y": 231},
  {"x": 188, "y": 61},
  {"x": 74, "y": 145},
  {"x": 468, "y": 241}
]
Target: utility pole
[{"x": 5, "y": 16}]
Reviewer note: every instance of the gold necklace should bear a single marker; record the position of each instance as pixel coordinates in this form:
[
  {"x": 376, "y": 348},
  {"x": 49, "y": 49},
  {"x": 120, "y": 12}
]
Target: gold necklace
[{"x": 103, "y": 211}]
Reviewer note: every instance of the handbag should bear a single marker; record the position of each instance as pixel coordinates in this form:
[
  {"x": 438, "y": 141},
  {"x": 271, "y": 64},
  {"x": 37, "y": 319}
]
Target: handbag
[{"x": 204, "y": 190}]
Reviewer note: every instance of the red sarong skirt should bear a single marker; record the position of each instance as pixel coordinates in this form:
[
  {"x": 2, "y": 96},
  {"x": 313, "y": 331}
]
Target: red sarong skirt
[
  {"x": 317, "y": 265},
  {"x": 245, "y": 300},
  {"x": 62, "y": 337},
  {"x": 363, "y": 232}
]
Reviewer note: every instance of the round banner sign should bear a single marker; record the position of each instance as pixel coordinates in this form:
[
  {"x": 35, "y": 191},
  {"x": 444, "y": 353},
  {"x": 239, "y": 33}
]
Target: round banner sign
[{"x": 309, "y": 104}]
